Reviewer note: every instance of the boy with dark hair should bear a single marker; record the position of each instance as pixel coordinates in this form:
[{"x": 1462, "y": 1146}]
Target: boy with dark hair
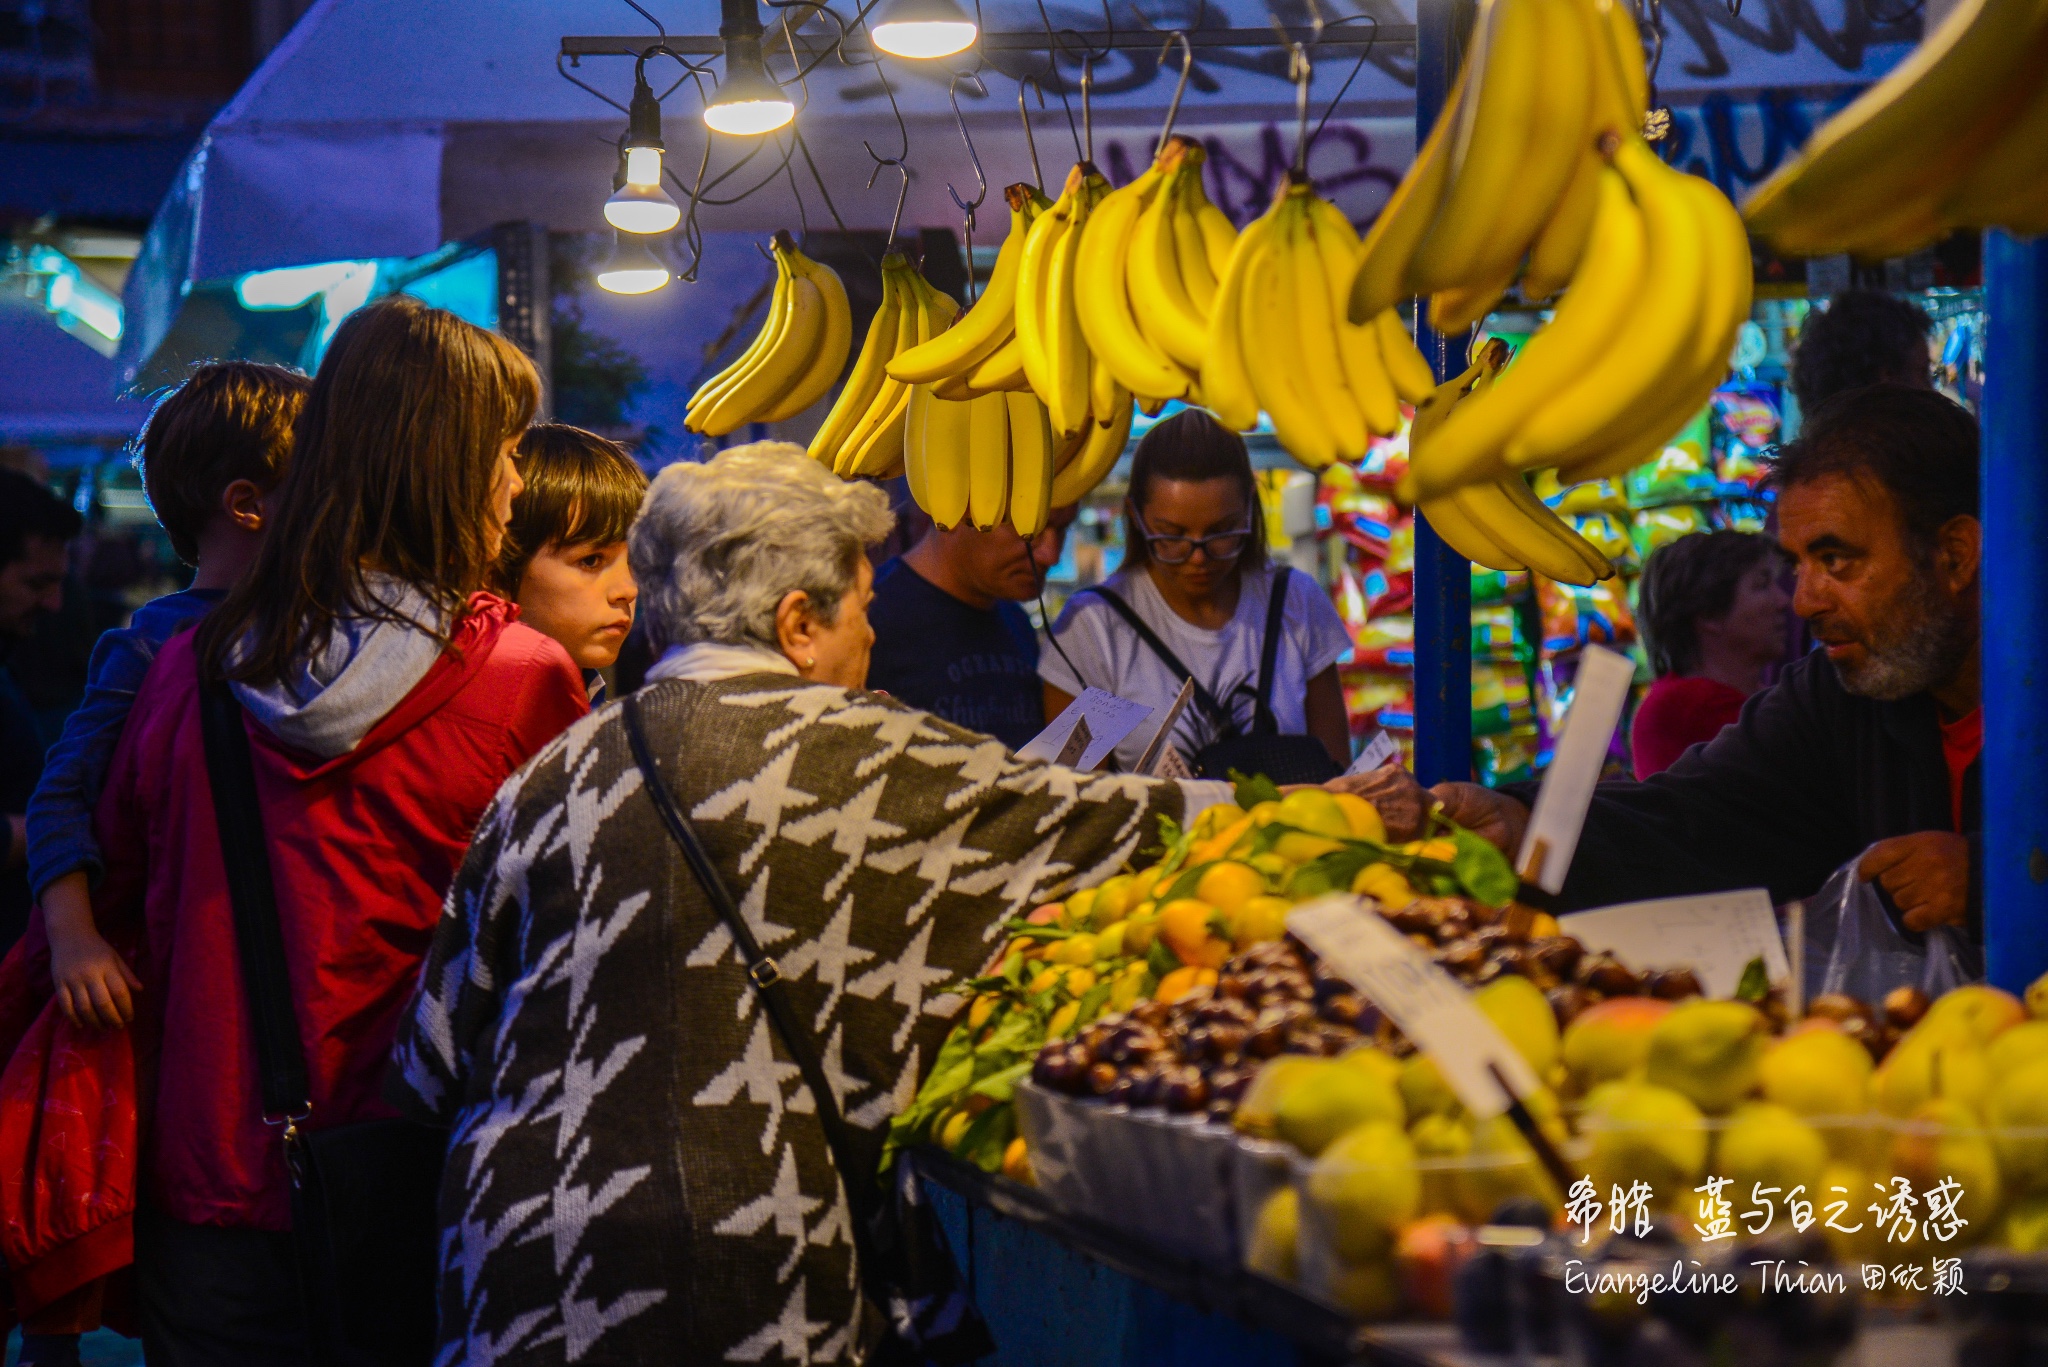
[
  {"x": 209, "y": 454},
  {"x": 564, "y": 561}
]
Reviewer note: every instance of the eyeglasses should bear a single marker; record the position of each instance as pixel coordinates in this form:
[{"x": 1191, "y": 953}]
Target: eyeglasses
[{"x": 1178, "y": 550}]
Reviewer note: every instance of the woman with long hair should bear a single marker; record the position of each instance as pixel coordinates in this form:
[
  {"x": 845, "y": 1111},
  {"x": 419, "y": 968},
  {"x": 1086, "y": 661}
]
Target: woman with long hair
[{"x": 384, "y": 697}]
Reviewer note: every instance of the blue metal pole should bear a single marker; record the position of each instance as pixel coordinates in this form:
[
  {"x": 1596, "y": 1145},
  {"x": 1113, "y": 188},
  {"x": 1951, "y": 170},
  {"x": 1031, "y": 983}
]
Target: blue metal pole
[
  {"x": 2015, "y": 589},
  {"x": 1443, "y": 578}
]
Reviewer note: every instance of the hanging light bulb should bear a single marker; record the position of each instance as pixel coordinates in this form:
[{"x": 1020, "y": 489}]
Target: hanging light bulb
[
  {"x": 638, "y": 203},
  {"x": 923, "y": 28},
  {"x": 748, "y": 101},
  {"x": 632, "y": 268}
]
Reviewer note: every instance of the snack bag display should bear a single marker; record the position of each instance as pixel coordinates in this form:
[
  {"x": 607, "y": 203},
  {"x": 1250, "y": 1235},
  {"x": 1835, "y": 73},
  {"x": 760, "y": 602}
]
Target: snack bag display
[
  {"x": 1575, "y": 616},
  {"x": 1682, "y": 472},
  {"x": 1657, "y": 527},
  {"x": 1496, "y": 635},
  {"x": 1591, "y": 496},
  {"x": 1499, "y": 586},
  {"x": 1507, "y": 757},
  {"x": 1609, "y": 533}
]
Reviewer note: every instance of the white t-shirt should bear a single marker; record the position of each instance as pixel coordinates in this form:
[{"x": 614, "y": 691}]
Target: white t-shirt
[{"x": 1102, "y": 651}]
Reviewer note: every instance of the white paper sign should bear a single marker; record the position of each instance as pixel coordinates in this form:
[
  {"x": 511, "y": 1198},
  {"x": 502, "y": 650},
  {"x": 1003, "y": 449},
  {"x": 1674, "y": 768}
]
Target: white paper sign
[
  {"x": 1393, "y": 973},
  {"x": 1378, "y": 753},
  {"x": 1597, "y": 695},
  {"x": 1110, "y": 719},
  {"x": 1715, "y": 935},
  {"x": 1171, "y": 765},
  {"x": 1155, "y": 753}
]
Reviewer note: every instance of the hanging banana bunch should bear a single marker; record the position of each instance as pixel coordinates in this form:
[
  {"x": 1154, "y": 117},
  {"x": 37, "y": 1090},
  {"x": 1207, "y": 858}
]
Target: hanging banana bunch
[
  {"x": 980, "y": 354},
  {"x": 1135, "y": 303},
  {"x": 1634, "y": 350},
  {"x": 1505, "y": 184},
  {"x": 1279, "y": 339},
  {"x": 1956, "y": 136},
  {"x": 1058, "y": 361},
  {"x": 995, "y": 458},
  {"x": 863, "y": 434},
  {"x": 793, "y": 360},
  {"x": 1500, "y": 523}
]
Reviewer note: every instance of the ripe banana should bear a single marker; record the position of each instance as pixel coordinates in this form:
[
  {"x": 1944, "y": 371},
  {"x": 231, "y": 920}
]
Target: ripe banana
[
  {"x": 1909, "y": 139},
  {"x": 988, "y": 459},
  {"x": 1225, "y": 383},
  {"x": 868, "y": 370},
  {"x": 1103, "y": 293},
  {"x": 1273, "y": 347},
  {"x": 1031, "y": 461},
  {"x": 1358, "y": 347},
  {"x": 1390, "y": 245},
  {"x": 1067, "y": 354},
  {"x": 991, "y": 323},
  {"x": 1099, "y": 449},
  {"x": 1034, "y": 271},
  {"x": 939, "y": 448},
  {"x": 864, "y": 434},
  {"x": 1413, "y": 379},
  {"x": 1172, "y": 287},
  {"x": 792, "y": 361}
]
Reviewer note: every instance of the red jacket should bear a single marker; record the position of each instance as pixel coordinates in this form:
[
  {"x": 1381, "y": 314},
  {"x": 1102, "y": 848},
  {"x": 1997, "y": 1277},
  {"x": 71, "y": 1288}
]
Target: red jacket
[{"x": 362, "y": 847}]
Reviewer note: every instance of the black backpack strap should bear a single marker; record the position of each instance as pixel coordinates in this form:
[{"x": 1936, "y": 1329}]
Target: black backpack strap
[
  {"x": 1204, "y": 699},
  {"x": 259, "y": 938},
  {"x": 1263, "y": 721},
  {"x": 766, "y": 976}
]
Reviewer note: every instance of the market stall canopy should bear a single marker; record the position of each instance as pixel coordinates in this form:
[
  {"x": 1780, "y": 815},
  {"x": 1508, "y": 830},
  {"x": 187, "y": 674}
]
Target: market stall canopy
[{"x": 386, "y": 129}]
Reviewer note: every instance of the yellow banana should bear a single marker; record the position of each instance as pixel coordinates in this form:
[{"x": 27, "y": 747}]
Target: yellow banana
[
  {"x": 1031, "y": 457},
  {"x": 947, "y": 474},
  {"x": 828, "y": 358},
  {"x": 1493, "y": 147},
  {"x": 1465, "y": 536},
  {"x": 1654, "y": 344},
  {"x": 1534, "y": 536},
  {"x": 1190, "y": 248},
  {"x": 991, "y": 322},
  {"x": 1358, "y": 348},
  {"x": 1003, "y": 370},
  {"x": 1625, "y": 50},
  {"x": 1034, "y": 274},
  {"x": 1910, "y": 137},
  {"x": 1066, "y": 350},
  {"x": 1070, "y": 446},
  {"x": 1096, "y": 458},
  {"x": 1226, "y": 386},
  {"x": 1273, "y": 345},
  {"x": 956, "y": 388},
  {"x": 1104, "y": 393},
  {"x": 859, "y": 389},
  {"x": 1556, "y": 252},
  {"x": 1458, "y": 308},
  {"x": 1158, "y": 290},
  {"x": 1309, "y": 293},
  {"x": 988, "y": 458},
  {"x": 1468, "y": 446},
  {"x": 2008, "y": 185},
  {"x": 785, "y": 361},
  {"x": 1219, "y": 234},
  {"x": 879, "y": 441},
  {"x": 1390, "y": 244},
  {"x": 914, "y": 421},
  {"x": 708, "y": 393},
  {"x": 1102, "y": 266},
  {"x": 1406, "y": 365}
]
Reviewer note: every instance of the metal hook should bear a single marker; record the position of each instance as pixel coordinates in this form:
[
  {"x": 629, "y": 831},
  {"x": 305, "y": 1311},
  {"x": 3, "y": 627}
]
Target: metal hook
[
  {"x": 1356, "y": 67},
  {"x": 1187, "y": 67},
  {"x": 1301, "y": 71},
  {"x": 1088, "y": 106},
  {"x": 895, "y": 219},
  {"x": 1024, "y": 117},
  {"x": 960, "y": 121}
]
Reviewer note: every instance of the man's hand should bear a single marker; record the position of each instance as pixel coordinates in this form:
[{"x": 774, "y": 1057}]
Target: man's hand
[
  {"x": 1926, "y": 873},
  {"x": 1404, "y": 805}
]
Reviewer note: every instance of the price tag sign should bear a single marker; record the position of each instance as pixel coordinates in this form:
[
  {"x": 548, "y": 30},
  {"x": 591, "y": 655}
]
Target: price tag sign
[
  {"x": 1715, "y": 935},
  {"x": 1110, "y": 719},
  {"x": 1378, "y": 753},
  {"x": 1153, "y": 761},
  {"x": 1553, "y": 834},
  {"x": 1358, "y": 945}
]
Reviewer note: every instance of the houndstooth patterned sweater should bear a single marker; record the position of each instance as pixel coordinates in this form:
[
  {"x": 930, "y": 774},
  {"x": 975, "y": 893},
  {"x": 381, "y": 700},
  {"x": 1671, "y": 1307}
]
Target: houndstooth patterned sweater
[{"x": 636, "y": 1174}]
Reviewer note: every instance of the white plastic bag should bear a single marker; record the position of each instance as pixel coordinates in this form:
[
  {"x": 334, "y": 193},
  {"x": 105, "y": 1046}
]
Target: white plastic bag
[{"x": 1853, "y": 945}]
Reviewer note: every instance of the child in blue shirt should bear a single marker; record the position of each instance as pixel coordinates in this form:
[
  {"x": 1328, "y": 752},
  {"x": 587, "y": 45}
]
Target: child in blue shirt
[{"x": 210, "y": 453}]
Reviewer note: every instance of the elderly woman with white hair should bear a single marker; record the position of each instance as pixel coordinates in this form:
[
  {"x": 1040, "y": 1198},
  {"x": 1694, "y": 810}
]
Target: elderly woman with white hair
[{"x": 638, "y": 1170}]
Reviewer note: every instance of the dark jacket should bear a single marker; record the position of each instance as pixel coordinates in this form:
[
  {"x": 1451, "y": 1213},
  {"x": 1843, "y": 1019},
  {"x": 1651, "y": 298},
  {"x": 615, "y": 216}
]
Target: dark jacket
[{"x": 1809, "y": 777}]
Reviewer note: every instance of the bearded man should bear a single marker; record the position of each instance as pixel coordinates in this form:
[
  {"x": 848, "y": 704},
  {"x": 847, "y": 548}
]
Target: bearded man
[{"x": 1869, "y": 743}]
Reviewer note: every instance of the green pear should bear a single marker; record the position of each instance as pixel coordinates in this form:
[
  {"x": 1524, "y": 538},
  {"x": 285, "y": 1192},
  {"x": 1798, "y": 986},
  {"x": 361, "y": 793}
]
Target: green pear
[
  {"x": 2025, "y": 1227},
  {"x": 1817, "y": 1071},
  {"x": 1257, "y": 1110},
  {"x": 1275, "y": 1236},
  {"x": 1709, "y": 1052},
  {"x": 1365, "y": 1187},
  {"x": 1945, "y": 1063},
  {"x": 1423, "y": 1087},
  {"x": 1524, "y": 1015},
  {"x": 2037, "y": 998},
  {"x": 1642, "y": 1132},
  {"x": 1501, "y": 1165},
  {"x": 1374, "y": 1061},
  {"x": 1607, "y": 1041},
  {"x": 2020, "y": 1103},
  {"x": 1325, "y": 1101},
  {"x": 1767, "y": 1145},
  {"x": 1978, "y": 1010}
]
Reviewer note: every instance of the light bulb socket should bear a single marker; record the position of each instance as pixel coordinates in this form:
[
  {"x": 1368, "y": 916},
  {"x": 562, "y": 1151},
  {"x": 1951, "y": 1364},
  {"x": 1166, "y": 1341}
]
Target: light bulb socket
[
  {"x": 643, "y": 116},
  {"x": 748, "y": 101}
]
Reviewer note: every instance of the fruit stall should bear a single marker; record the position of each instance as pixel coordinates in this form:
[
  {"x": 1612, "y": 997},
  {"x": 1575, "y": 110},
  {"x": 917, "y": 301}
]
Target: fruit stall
[{"x": 1243, "y": 1077}]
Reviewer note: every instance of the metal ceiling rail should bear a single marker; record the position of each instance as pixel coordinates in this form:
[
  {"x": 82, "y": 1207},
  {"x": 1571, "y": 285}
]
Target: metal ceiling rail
[{"x": 1031, "y": 40}]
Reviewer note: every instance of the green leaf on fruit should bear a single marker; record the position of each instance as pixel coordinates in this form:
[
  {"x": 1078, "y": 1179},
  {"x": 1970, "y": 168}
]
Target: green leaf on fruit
[
  {"x": 1093, "y": 1000},
  {"x": 1482, "y": 870},
  {"x": 1755, "y": 984},
  {"x": 1002, "y": 1085},
  {"x": 1160, "y": 959},
  {"x": 1253, "y": 789}
]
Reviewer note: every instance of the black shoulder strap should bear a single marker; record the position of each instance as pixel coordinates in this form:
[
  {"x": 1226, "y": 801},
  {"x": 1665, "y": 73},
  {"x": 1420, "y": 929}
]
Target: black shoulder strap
[
  {"x": 1204, "y": 699},
  {"x": 259, "y": 939},
  {"x": 1263, "y": 721},
  {"x": 766, "y": 977}
]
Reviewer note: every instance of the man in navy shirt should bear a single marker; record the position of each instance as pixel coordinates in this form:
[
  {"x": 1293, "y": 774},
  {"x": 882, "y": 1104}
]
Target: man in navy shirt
[{"x": 949, "y": 636}]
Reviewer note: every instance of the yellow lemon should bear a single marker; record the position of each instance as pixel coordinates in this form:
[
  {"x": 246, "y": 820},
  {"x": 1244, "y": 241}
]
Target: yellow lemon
[
  {"x": 954, "y": 1129},
  {"x": 1315, "y": 811},
  {"x": 1109, "y": 942},
  {"x": 1141, "y": 928},
  {"x": 1265, "y": 813},
  {"x": 1075, "y": 949},
  {"x": 1362, "y": 817},
  {"x": 1112, "y": 897},
  {"x": 1443, "y": 851},
  {"x": 1078, "y": 907},
  {"x": 1277, "y": 868},
  {"x": 1384, "y": 884},
  {"x": 982, "y": 1008},
  {"x": 1047, "y": 979},
  {"x": 1078, "y": 981},
  {"x": 1213, "y": 819},
  {"x": 1184, "y": 924},
  {"x": 1263, "y": 919},
  {"x": 1228, "y": 886},
  {"x": 1063, "y": 1020}
]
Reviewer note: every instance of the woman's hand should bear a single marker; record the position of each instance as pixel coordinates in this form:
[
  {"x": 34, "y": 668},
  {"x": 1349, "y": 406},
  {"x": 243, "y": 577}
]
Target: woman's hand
[{"x": 94, "y": 985}]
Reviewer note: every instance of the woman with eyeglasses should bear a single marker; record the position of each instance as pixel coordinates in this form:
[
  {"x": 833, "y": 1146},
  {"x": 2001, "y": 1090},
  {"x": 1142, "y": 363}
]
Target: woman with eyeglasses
[{"x": 1196, "y": 598}]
